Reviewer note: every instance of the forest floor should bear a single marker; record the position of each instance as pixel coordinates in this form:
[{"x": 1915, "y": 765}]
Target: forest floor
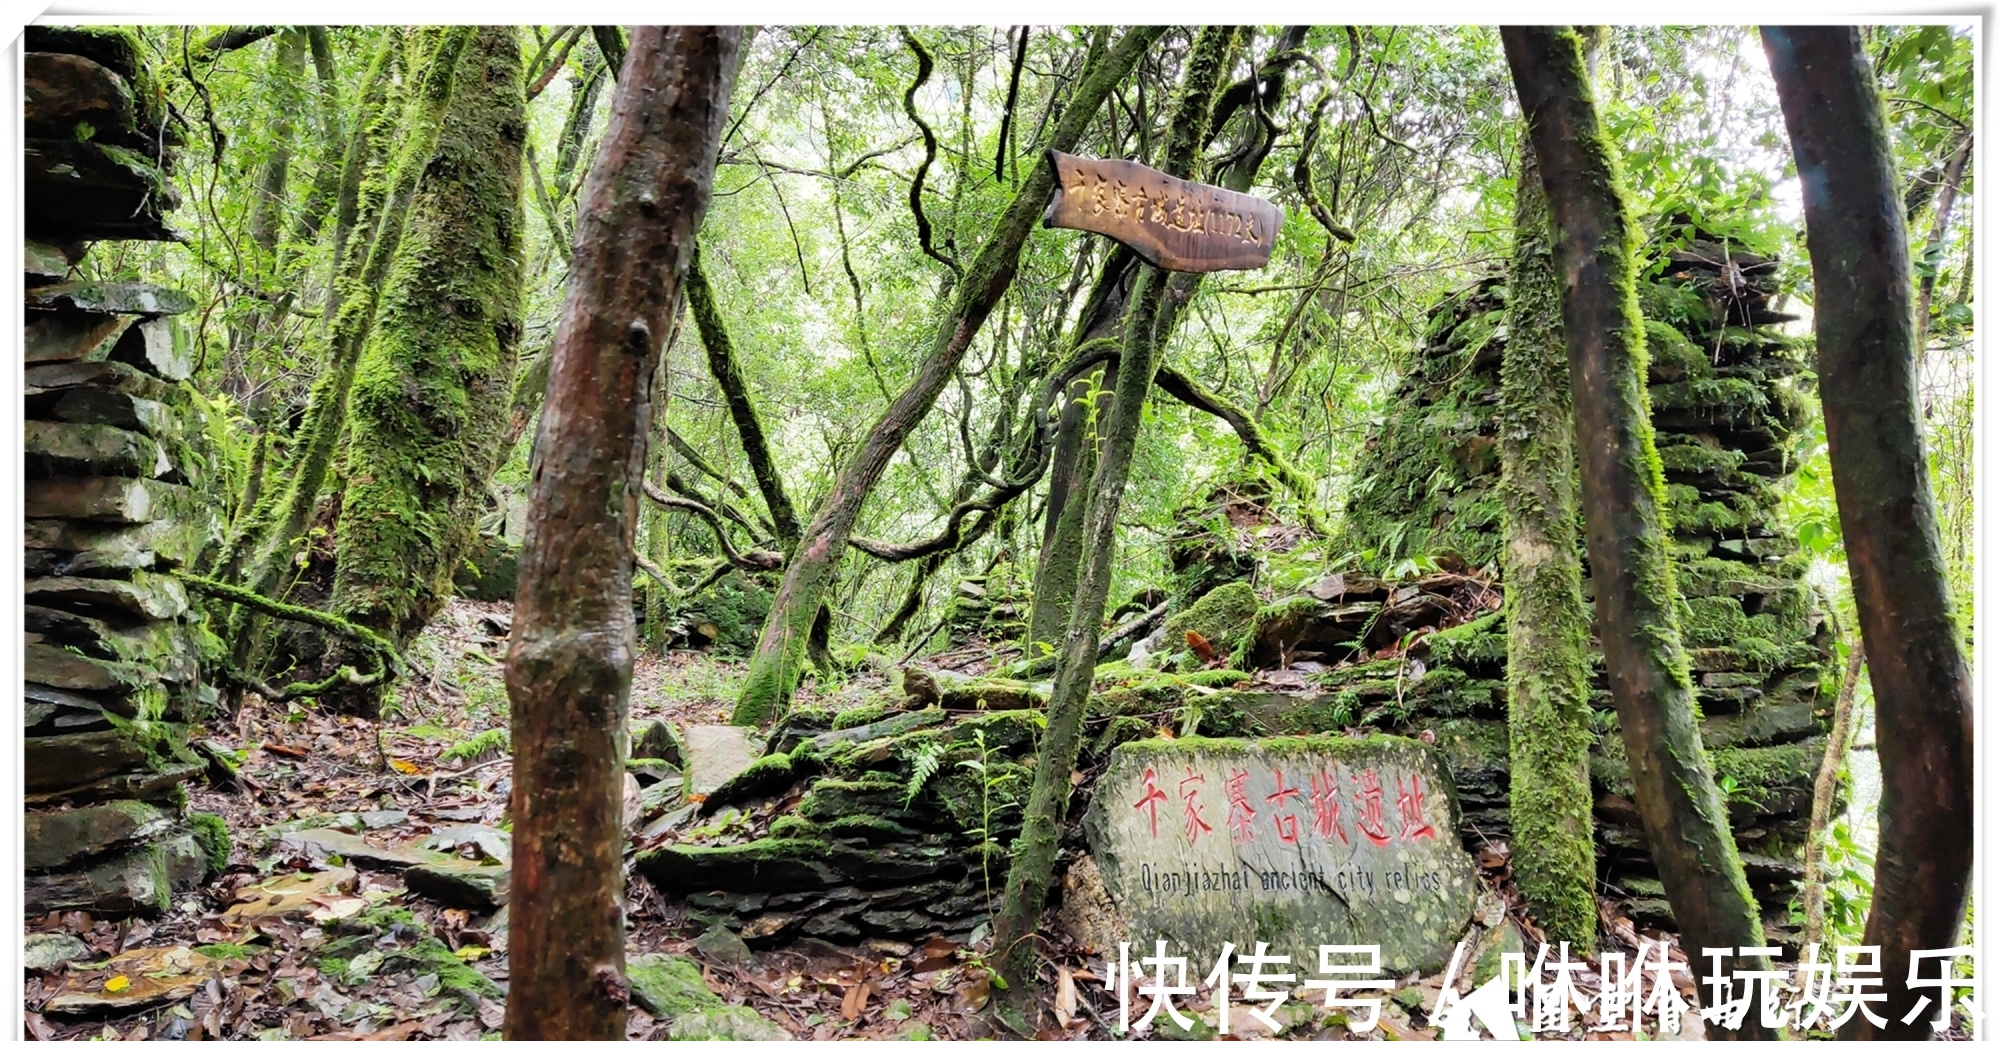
[{"x": 326, "y": 923}]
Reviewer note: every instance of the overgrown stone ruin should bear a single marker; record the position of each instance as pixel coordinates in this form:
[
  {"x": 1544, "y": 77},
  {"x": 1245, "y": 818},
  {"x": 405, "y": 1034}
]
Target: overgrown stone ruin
[
  {"x": 115, "y": 501},
  {"x": 894, "y": 819}
]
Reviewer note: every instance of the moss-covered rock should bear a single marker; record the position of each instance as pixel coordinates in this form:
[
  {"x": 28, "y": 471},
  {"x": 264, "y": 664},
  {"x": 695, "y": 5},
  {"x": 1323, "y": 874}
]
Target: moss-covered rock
[
  {"x": 1223, "y": 617},
  {"x": 667, "y": 985}
]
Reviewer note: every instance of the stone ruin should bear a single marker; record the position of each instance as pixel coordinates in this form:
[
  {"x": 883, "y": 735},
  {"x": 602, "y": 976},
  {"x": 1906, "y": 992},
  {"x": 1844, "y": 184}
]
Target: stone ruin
[
  {"x": 892, "y": 820},
  {"x": 115, "y": 500},
  {"x": 1726, "y": 415}
]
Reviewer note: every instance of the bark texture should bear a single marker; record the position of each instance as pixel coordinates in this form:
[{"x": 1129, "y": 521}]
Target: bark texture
[
  {"x": 1673, "y": 782},
  {"x": 777, "y": 663},
  {"x": 1548, "y": 628},
  {"x": 569, "y": 668},
  {"x": 430, "y": 395},
  {"x": 1874, "y": 438}
]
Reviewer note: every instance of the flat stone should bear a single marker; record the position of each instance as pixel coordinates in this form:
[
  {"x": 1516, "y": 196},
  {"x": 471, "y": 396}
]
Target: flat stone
[
  {"x": 56, "y": 838},
  {"x": 154, "y": 782},
  {"x": 41, "y": 952},
  {"x": 60, "y": 90},
  {"x": 93, "y": 449},
  {"x": 356, "y": 848},
  {"x": 130, "y": 500},
  {"x": 43, "y": 263},
  {"x": 63, "y": 669},
  {"x": 169, "y": 543},
  {"x": 143, "y": 880},
  {"x": 62, "y": 760},
  {"x": 1730, "y": 679},
  {"x": 52, "y": 336},
  {"x": 145, "y": 595},
  {"x": 667, "y": 985},
  {"x": 901, "y": 723},
  {"x": 165, "y": 650},
  {"x": 724, "y": 946},
  {"x": 373, "y": 819},
  {"x": 714, "y": 755},
  {"x": 1294, "y": 841},
  {"x": 111, "y": 298},
  {"x": 475, "y": 887},
  {"x": 726, "y": 1023}
]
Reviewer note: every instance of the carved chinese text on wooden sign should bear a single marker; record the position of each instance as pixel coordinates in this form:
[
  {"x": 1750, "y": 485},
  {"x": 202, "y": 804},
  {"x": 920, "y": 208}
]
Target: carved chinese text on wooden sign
[{"x": 1177, "y": 225}]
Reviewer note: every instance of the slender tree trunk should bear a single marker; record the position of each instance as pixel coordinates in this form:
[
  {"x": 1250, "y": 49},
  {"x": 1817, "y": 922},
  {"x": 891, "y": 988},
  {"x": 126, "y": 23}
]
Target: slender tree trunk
[
  {"x": 1033, "y": 862},
  {"x": 1874, "y": 438},
  {"x": 1812, "y": 889},
  {"x": 429, "y": 400},
  {"x": 569, "y": 668},
  {"x": 1954, "y": 173},
  {"x": 776, "y": 664},
  {"x": 1070, "y": 468},
  {"x": 749, "y": 429},
  {"x": 1548, "y": 627},
  {"x": 1686, "y": 827}
]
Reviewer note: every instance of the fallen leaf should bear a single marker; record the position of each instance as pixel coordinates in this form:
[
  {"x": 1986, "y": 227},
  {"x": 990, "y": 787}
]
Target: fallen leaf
[
  {"x": 404, "y": 766},
  {"x": 1065, "y": 1004},
  {"x": 116, "y": 984},
  {"x": 854, "y": 1001},
  {"x": 313, "y": 894},
  {"x": 472, "y": 953}
]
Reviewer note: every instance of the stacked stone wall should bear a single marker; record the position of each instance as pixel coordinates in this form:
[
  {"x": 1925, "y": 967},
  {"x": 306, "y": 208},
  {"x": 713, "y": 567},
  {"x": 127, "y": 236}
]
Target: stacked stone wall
[{"x": 115, "y": 501}]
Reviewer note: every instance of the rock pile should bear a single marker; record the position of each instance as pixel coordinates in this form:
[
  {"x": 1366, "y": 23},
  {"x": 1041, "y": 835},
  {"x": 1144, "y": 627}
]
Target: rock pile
[
  {"x": 114, "y": 500},
  {"x": 1725, "y": 412}
]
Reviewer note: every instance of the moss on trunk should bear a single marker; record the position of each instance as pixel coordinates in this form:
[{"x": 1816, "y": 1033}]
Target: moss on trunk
[
  {"x": 430, "y": 394},
  {"x": 1548, "y": 629}
]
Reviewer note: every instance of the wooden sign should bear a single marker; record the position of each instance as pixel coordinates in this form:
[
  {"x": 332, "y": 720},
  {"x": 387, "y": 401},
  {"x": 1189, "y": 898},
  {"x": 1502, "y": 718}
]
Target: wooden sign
[{"x": 1177, "y": 225}]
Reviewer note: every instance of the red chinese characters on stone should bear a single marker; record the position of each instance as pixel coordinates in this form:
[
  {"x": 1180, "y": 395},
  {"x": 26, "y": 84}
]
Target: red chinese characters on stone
[
  {"x": 1150, "y": 802},
  {"x": 1287, "y": 824},
  {"x": 1241, "y": 815},
  {"x": 1410, "y": 807},
  {"x": 1368, "y": 802},
  {"x": 1190, "y": 806},
  {"x": 1326, "y": 808}
]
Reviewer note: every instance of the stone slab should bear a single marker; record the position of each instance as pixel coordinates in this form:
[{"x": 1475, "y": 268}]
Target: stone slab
[
  {"x": 715, "y": 754},
  {"x": 56, "y": 838},
  {"x": 1297, "y": 842}
]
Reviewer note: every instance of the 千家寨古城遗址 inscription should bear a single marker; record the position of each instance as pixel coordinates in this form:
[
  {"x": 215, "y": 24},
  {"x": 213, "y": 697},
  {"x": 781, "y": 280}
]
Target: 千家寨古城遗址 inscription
[
  {"x": 1295, "y": 841},
  {"x": 1176, "y": 225}
]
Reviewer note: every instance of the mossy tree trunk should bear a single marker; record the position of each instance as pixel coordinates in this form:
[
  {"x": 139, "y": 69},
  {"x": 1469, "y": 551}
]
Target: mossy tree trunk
[
  {"x": 1073, "y": 461},
  {"x": 1032, "y": 864},
  {"x": 381, "y": 215},
  {"x": 777, "y": 662},
  {"x": 1874, "y": 437},
  {"x": 1687, "y": 829},
  {"x": 382, "y": 211},
  {"x": 428, "y": 406},
  {"x": 1548, "y": 628},
  {"x": 569, "y": 667}
]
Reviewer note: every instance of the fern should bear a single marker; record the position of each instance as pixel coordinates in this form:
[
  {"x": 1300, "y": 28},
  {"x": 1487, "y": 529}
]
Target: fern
[{"x": 924, "y": 760}]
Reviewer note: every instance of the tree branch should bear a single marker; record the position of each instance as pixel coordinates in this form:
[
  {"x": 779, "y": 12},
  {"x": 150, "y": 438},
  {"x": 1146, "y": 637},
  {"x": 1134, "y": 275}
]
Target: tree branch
[{"x": 755, "y": 560}]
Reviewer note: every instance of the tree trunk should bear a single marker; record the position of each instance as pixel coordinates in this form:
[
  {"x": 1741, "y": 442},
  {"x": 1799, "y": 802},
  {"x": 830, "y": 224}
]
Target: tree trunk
[
  {"x": 1954, "y": 173},
  {"x": 749, "y": 429},
  {"x": 1033, "y": 861},
  {"x": 775, "y": 666},
  {"x": 383, "y": 206},
  {"x": 1874, "y": 439},
  {"x": 1548, "y": 628},
  {"x": 429, "y": 400},
  {"x": 1070, "y": 468},
  {"x": 569, "y": 668},
  {"x": 1687, "y": 829}
]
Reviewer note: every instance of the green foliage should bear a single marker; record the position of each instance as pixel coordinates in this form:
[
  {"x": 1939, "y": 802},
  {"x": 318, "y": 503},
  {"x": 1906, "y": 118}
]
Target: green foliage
[{"x": 483, "y": 745}]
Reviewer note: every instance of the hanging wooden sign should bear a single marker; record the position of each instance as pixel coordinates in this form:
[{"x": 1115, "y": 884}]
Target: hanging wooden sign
[{"x": 1177, "y": 225}]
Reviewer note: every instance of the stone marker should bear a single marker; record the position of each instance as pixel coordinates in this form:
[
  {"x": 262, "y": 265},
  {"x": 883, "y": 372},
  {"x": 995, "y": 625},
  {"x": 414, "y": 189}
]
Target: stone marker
[
  {"x": 714, "y": 755},
  {"x": 1296, "y": 842}
]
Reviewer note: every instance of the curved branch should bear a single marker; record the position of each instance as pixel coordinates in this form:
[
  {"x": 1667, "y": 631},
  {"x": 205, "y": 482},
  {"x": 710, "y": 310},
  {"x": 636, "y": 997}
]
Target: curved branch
[
  {"x": 389, "y": 662},
  {"x": 233, "y": 38},
  {"x": 563, "y": 47},
  {"x": 1247, "y": 429},
  {"x": 755, "y": 560},
  {"x": 924, "y": 66},
  {"x": 1013, "y": 95}
]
